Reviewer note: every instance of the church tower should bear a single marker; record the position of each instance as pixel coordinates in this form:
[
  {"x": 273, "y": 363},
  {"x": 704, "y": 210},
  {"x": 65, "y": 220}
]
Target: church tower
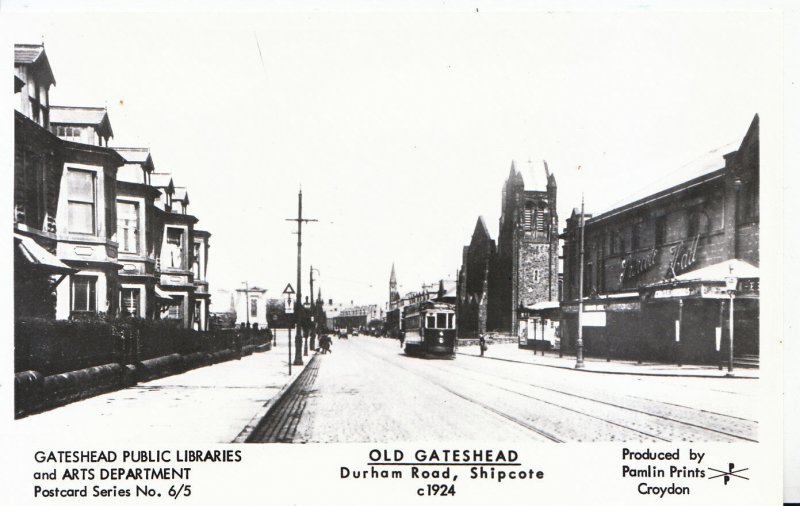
[
  {"x": 393, "y": 294},
  {"x": 525, "y": 270}
]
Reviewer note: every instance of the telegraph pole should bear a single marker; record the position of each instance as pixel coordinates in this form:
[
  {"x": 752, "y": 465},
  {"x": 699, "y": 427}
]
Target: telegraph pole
[
  {"x": 298, "y": 338},
  {"x": 314, "y": 315},
  {"x": 579, "y": 345}
]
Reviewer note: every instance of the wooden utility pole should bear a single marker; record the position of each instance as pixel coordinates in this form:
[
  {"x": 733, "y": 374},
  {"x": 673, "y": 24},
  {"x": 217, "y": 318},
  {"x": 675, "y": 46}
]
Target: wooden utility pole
[
  {"x": 579, "y": 345},
  {"x": 298, "y": 338}
]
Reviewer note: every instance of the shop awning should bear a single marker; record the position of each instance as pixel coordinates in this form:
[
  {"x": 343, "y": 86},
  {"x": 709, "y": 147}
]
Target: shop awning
[
  {"x": 39, "y": 257},
  {"x": 163, "y": 296},
  {"x": 718, "y": 272}
]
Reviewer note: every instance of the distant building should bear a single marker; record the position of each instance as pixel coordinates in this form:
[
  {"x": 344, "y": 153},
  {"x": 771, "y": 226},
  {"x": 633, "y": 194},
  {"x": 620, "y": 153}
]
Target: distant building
[
  {"x": 251, "y": 306},
  {"x": 339, "y": 316}
]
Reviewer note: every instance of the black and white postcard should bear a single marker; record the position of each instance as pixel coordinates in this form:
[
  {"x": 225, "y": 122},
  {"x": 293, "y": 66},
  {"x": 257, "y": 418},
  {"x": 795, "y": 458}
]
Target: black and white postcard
[{"x": 359, "y": 253}]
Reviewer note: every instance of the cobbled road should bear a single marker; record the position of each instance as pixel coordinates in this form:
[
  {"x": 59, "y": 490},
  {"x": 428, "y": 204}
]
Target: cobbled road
[{"x": 367, "y": 390}]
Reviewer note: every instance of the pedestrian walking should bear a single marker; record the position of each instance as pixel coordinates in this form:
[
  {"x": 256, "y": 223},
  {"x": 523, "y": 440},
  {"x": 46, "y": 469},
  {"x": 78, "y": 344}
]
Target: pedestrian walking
[
  {"x": 325, "y": 343},
  {"x": 482, "y": 343},
  {"x": 402, "y": 339}
]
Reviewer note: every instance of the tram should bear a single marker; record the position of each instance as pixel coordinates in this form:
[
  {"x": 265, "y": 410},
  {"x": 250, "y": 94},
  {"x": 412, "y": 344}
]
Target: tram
[{"x": 429, "y": 328}]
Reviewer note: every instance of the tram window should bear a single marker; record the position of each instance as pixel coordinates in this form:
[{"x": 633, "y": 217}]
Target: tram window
[
  {"x": 430, "y": 322},
  {"x": 441, "y": 320},
  {"x": 450, "y": 321}
]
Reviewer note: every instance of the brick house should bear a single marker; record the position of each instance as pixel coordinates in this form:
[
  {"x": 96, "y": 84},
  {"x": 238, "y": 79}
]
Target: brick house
[
  {"x": 96, "y": 229},
  {"x": 139, "y": 232},
  {"x": 654, "y": 268},
  {"x": 64, "y": 195}
]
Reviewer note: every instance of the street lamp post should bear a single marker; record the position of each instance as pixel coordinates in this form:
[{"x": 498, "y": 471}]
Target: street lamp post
[
  {"x": 730, "y": 284},
  {"x": 579, "y": 344},
  {"x": 314, "y": 319},
  {"x": 305, "y": 334}
]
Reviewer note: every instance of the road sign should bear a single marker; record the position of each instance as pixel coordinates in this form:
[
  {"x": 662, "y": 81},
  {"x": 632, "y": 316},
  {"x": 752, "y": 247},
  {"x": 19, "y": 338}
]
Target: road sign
[
  {"x": 289, "y": 305},
  {"x": 730, "y": 283},
  {"x": 288, "y": 290}
]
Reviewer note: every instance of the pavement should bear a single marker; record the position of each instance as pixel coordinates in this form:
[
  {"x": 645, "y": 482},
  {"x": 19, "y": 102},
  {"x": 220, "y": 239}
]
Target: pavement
[
  {"x": 183, "y": 408},
  {"x": 511, "y": 352}
]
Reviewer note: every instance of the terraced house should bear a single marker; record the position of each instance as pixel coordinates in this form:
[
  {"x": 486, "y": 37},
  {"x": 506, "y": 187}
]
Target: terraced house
[{"x": 97, "y": 231}]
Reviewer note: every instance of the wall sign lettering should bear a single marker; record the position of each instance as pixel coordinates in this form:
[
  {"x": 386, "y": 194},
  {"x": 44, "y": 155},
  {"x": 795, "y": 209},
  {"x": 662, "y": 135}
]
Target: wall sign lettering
[
  {"x": 683, "y": 257},
  {"x": 633, "y": 267}
]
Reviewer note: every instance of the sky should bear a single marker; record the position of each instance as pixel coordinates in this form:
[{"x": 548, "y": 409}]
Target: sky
[{"x": 401, "y": 126}]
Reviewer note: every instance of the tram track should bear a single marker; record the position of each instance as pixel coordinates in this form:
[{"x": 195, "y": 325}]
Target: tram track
[
  {"x": 620, "y": 407},
  {"x": 611, "y": 420},
  {"x": 518, "y": 421},
  {"x": 465, "y": 373}
]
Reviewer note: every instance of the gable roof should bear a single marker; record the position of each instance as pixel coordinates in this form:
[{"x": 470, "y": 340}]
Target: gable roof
[
  {"x": 481, "y": 228},
  {"x": 703, "y": 168},
  {"x": 162, "y": 180},
  {"x": 181, "y": 193},
  {"x": 139, "y": 156},
  {"x": 33, "y": 54},
  {"x": 94, "y": 116}
]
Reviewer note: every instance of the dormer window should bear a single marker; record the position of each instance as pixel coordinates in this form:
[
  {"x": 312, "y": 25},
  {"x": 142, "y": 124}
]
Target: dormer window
[{"x": 68, "y": 133}]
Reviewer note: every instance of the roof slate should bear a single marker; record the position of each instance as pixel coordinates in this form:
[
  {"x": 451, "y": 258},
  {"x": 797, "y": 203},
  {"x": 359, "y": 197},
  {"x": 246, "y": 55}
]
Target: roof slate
[
  {"x": 161, "y": 180},
  {"x": 25, "y": 54},
  {"x": 134, "y": 155},
  {"x": 78, "y": 115}
]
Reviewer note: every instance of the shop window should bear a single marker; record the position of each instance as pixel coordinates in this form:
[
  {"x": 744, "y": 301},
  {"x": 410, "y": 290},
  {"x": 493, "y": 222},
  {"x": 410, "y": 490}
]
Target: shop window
[
  {"x": 128, "y": 226},
  {"x": 130, "y": 301},
  {"x": 81, "y": 201},
  {"x": 84, "y": 294}
]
